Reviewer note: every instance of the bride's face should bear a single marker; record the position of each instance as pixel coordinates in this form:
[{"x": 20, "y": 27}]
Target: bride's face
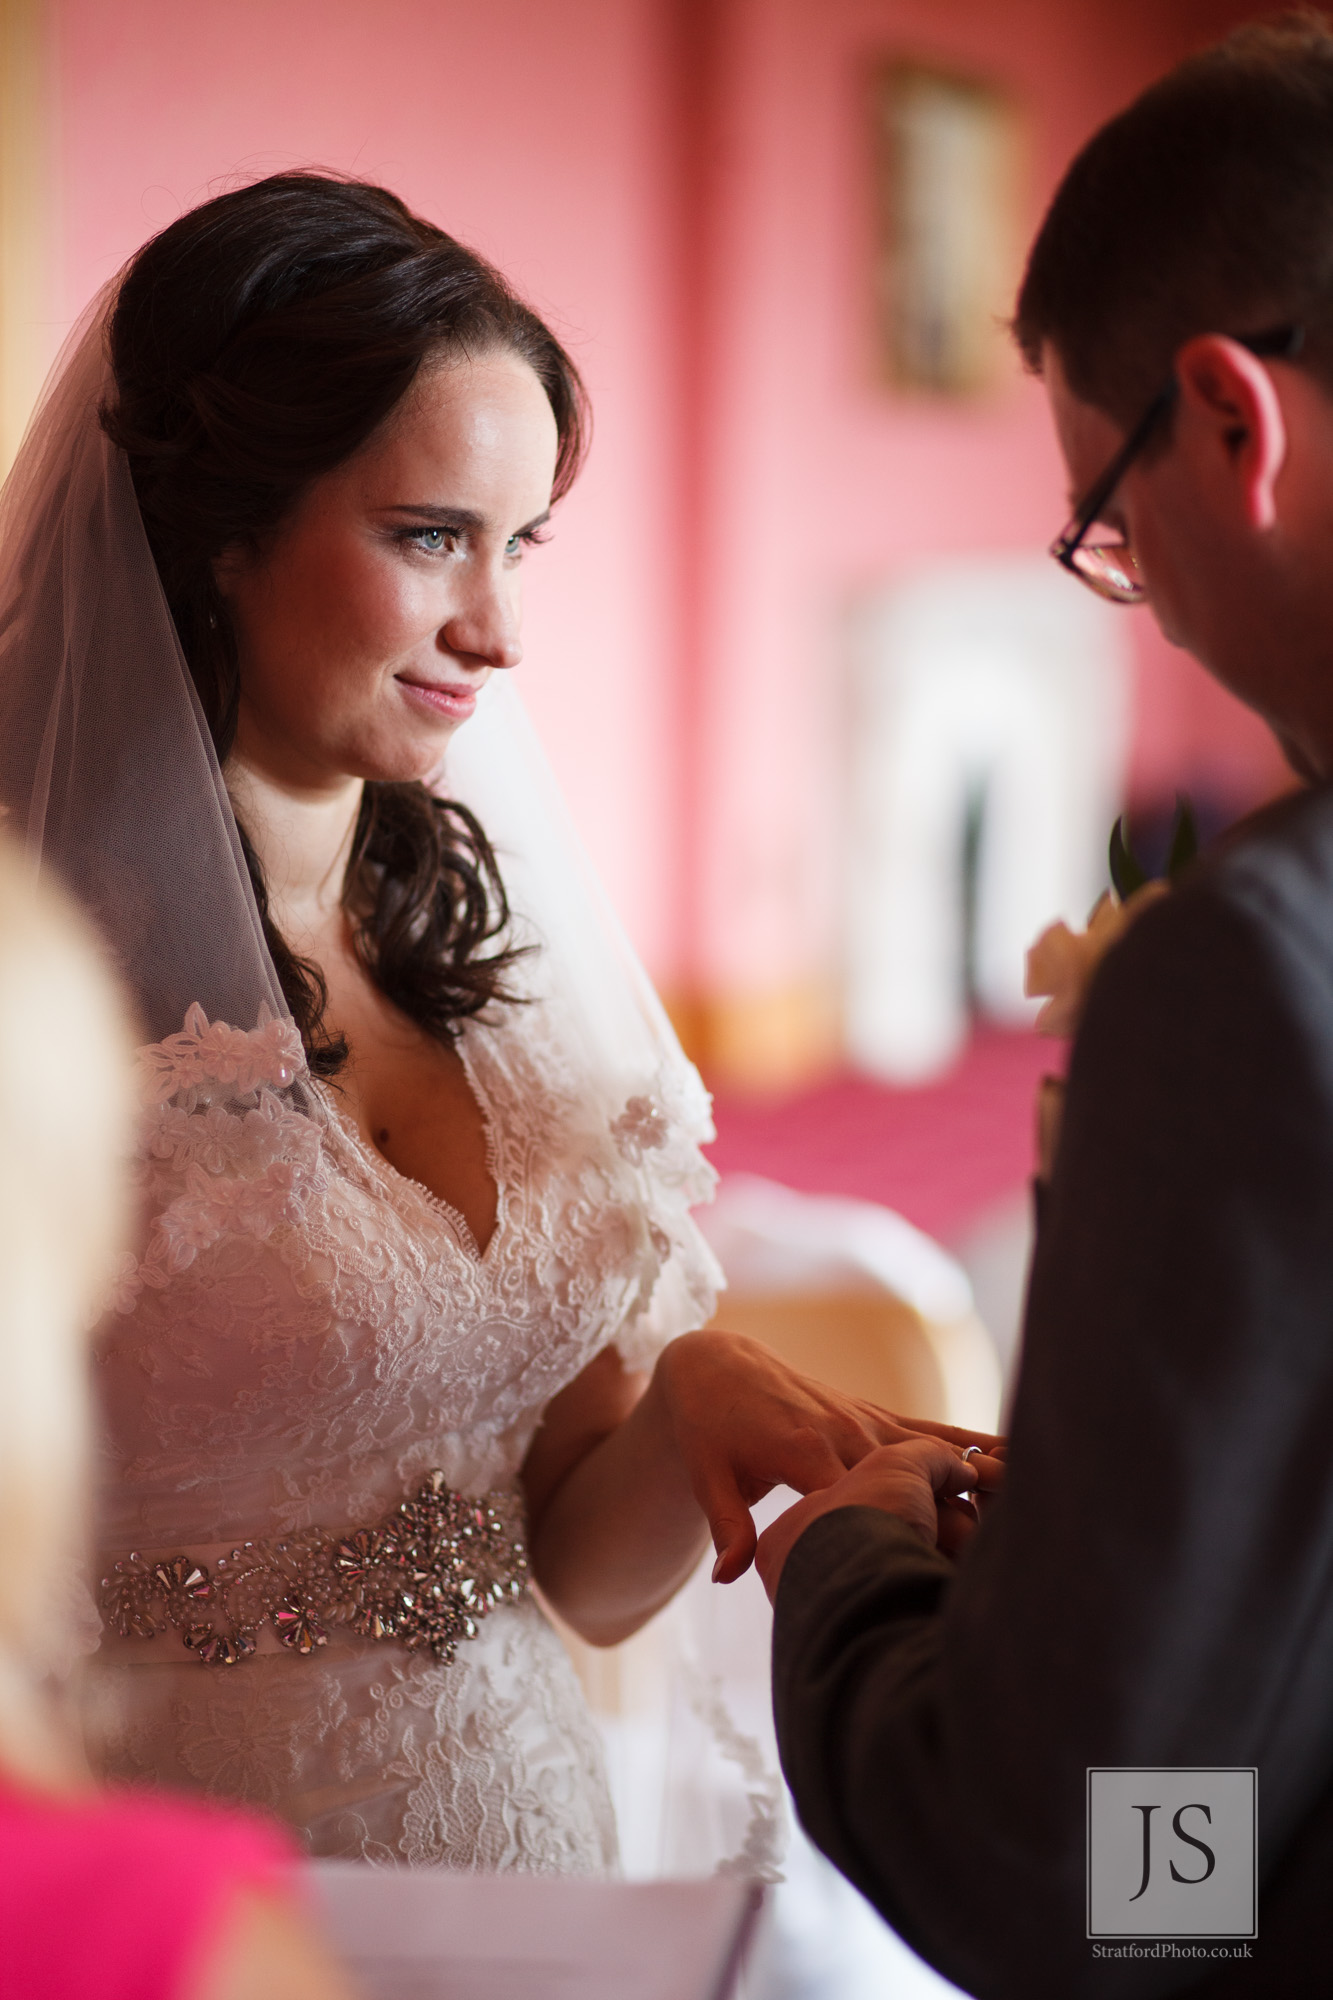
[{"x": 387, "y": 597}]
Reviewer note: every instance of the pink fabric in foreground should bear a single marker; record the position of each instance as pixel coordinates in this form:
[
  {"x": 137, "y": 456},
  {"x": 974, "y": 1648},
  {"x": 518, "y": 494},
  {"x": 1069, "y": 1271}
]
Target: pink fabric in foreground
[{"x": 121, "y": 1896}]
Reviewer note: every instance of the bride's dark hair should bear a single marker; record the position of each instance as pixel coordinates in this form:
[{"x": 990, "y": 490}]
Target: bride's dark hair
[{"x": 256, "y": 344}]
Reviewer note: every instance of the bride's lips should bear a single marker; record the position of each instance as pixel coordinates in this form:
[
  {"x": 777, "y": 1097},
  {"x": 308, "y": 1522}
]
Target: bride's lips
[{"x": 454, "y": 699}]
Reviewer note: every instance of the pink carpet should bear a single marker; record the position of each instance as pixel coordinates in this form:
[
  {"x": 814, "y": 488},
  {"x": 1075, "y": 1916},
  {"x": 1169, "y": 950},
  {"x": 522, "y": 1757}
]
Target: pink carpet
[{"x": 941, "y": 1155}]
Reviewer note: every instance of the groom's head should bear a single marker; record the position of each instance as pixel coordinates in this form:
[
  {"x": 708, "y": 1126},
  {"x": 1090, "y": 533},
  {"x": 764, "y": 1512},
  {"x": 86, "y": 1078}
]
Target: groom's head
[{"x": 1191, "y": 244}]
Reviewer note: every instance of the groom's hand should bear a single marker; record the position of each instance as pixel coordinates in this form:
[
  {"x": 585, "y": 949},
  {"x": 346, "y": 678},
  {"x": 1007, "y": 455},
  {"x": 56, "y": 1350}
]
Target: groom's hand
[
  {"x": 743, "y": 1422},
  {"x": 922, "y": 1481}
]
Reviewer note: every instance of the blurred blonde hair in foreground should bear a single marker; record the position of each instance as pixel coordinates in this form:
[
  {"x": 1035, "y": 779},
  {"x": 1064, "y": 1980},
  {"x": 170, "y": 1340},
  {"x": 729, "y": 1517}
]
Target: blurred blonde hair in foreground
[{"x": 65, "y": 1127}]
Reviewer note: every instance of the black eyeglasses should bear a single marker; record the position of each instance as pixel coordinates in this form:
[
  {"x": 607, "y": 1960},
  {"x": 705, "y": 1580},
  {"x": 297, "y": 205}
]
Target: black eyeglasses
[{"x": 1110, "y": 568}]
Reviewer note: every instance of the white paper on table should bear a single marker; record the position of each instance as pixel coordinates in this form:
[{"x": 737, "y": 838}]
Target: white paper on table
[{"x": 429, "y": 1934}]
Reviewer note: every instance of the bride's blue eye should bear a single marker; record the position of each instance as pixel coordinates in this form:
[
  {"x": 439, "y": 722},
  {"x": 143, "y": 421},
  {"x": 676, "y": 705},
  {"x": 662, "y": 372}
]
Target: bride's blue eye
[{"x": 429, "y": 541}]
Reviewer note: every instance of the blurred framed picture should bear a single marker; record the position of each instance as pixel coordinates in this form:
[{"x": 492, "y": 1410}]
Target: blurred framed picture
[{"x": 946, "y": 161}]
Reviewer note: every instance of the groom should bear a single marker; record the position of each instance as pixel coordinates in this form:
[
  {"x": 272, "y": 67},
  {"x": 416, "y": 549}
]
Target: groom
[{"x": 1154, "y": 1588}]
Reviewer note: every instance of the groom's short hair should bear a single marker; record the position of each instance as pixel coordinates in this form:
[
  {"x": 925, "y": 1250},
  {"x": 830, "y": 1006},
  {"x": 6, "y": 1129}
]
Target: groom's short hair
[{"x": 1206, "y": 207}]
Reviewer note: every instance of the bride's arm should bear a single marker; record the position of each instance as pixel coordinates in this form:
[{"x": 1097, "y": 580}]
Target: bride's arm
[
  {"x": 613, "y": 1524},
  {"x": 625, "y": 1481}
]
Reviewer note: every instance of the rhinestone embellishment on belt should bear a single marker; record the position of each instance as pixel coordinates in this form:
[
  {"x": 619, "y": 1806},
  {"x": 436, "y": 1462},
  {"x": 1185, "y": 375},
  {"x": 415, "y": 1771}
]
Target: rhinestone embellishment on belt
[{"x": 425, "y": 1575}]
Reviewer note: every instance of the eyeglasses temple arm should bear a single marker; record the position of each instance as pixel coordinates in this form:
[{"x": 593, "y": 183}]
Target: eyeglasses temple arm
[{"x": 1084, "y": 516}]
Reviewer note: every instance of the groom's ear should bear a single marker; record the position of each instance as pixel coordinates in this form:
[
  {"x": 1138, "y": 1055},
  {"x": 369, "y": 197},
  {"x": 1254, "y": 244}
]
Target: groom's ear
[{"x": 1231, "y": 427}]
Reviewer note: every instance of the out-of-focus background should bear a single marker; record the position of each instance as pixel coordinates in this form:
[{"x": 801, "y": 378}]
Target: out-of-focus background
[
  {"x": 838, "y": 734},
  {"x": 840, "y": 738}
]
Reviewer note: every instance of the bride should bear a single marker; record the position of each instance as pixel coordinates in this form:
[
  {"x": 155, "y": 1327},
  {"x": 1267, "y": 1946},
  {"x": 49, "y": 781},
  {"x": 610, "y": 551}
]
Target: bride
[{"x": 415, "y": 1170}]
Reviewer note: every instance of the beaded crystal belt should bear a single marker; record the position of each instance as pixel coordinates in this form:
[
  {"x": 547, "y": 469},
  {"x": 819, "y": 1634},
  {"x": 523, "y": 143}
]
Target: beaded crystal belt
[{"x": 424, "y": 1575}]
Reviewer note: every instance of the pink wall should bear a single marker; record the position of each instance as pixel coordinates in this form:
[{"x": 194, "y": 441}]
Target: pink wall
[
  {"x": 536, "y": 132},
  {"x": 821, "y": 481},
  {"x": 684, "y": 186}
]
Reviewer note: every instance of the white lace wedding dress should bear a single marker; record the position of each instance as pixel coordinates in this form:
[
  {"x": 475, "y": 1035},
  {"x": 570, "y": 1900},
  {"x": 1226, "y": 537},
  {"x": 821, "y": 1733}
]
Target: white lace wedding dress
[{"x": 306, "y": 1336}]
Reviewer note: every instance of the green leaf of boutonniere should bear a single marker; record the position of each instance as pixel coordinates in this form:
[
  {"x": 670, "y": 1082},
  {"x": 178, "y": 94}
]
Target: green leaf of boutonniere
[
  {"x": 1184, "y": 845},
  {"x": 1127, "y": 873}
]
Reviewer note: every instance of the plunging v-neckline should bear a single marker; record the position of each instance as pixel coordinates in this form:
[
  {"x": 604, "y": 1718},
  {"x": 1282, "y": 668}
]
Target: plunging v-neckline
[{"x": 457, "y": 1221}]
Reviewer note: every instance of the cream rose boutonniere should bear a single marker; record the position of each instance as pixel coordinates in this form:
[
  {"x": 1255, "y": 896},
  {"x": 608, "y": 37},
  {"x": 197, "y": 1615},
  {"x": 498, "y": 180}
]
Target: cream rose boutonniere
[{"x": 1061, "y": 963}]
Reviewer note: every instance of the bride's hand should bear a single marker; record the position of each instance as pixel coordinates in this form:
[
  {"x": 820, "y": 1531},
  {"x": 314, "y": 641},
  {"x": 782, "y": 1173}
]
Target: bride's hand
[
  {"x": 921, "y": 1481},
  {"x": 989, "y": 1443},
  {"x": 743, "y": 1423}
]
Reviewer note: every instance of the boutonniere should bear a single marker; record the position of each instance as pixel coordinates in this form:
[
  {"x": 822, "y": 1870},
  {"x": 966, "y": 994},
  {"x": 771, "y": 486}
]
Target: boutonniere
[{"x": 1061, "y": 963}]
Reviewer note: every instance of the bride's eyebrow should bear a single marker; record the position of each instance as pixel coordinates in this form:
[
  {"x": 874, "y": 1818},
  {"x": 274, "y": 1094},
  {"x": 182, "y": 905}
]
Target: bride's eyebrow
[
  {"x": 463, "y": 520},
  {"x": 459, "y": 520}
]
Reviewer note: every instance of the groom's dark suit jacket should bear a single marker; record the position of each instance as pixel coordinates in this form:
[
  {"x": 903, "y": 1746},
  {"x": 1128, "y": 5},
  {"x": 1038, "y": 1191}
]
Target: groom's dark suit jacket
[{"x": 1155, "y": 1585}]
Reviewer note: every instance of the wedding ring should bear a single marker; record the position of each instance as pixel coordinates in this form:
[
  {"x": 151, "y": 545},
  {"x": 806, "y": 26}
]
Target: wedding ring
[{"x": 972, "y": 1451}]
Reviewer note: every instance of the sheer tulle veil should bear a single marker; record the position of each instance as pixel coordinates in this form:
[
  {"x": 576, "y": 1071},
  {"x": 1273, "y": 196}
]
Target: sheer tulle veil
[
  {"x": 109, "y": 776},
  {"x": 107, "y": 770}
]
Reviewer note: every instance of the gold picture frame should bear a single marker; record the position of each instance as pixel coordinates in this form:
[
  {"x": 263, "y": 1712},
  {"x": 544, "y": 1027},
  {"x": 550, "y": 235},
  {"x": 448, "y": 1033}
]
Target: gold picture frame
[{"x": 947, "y": 155}]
